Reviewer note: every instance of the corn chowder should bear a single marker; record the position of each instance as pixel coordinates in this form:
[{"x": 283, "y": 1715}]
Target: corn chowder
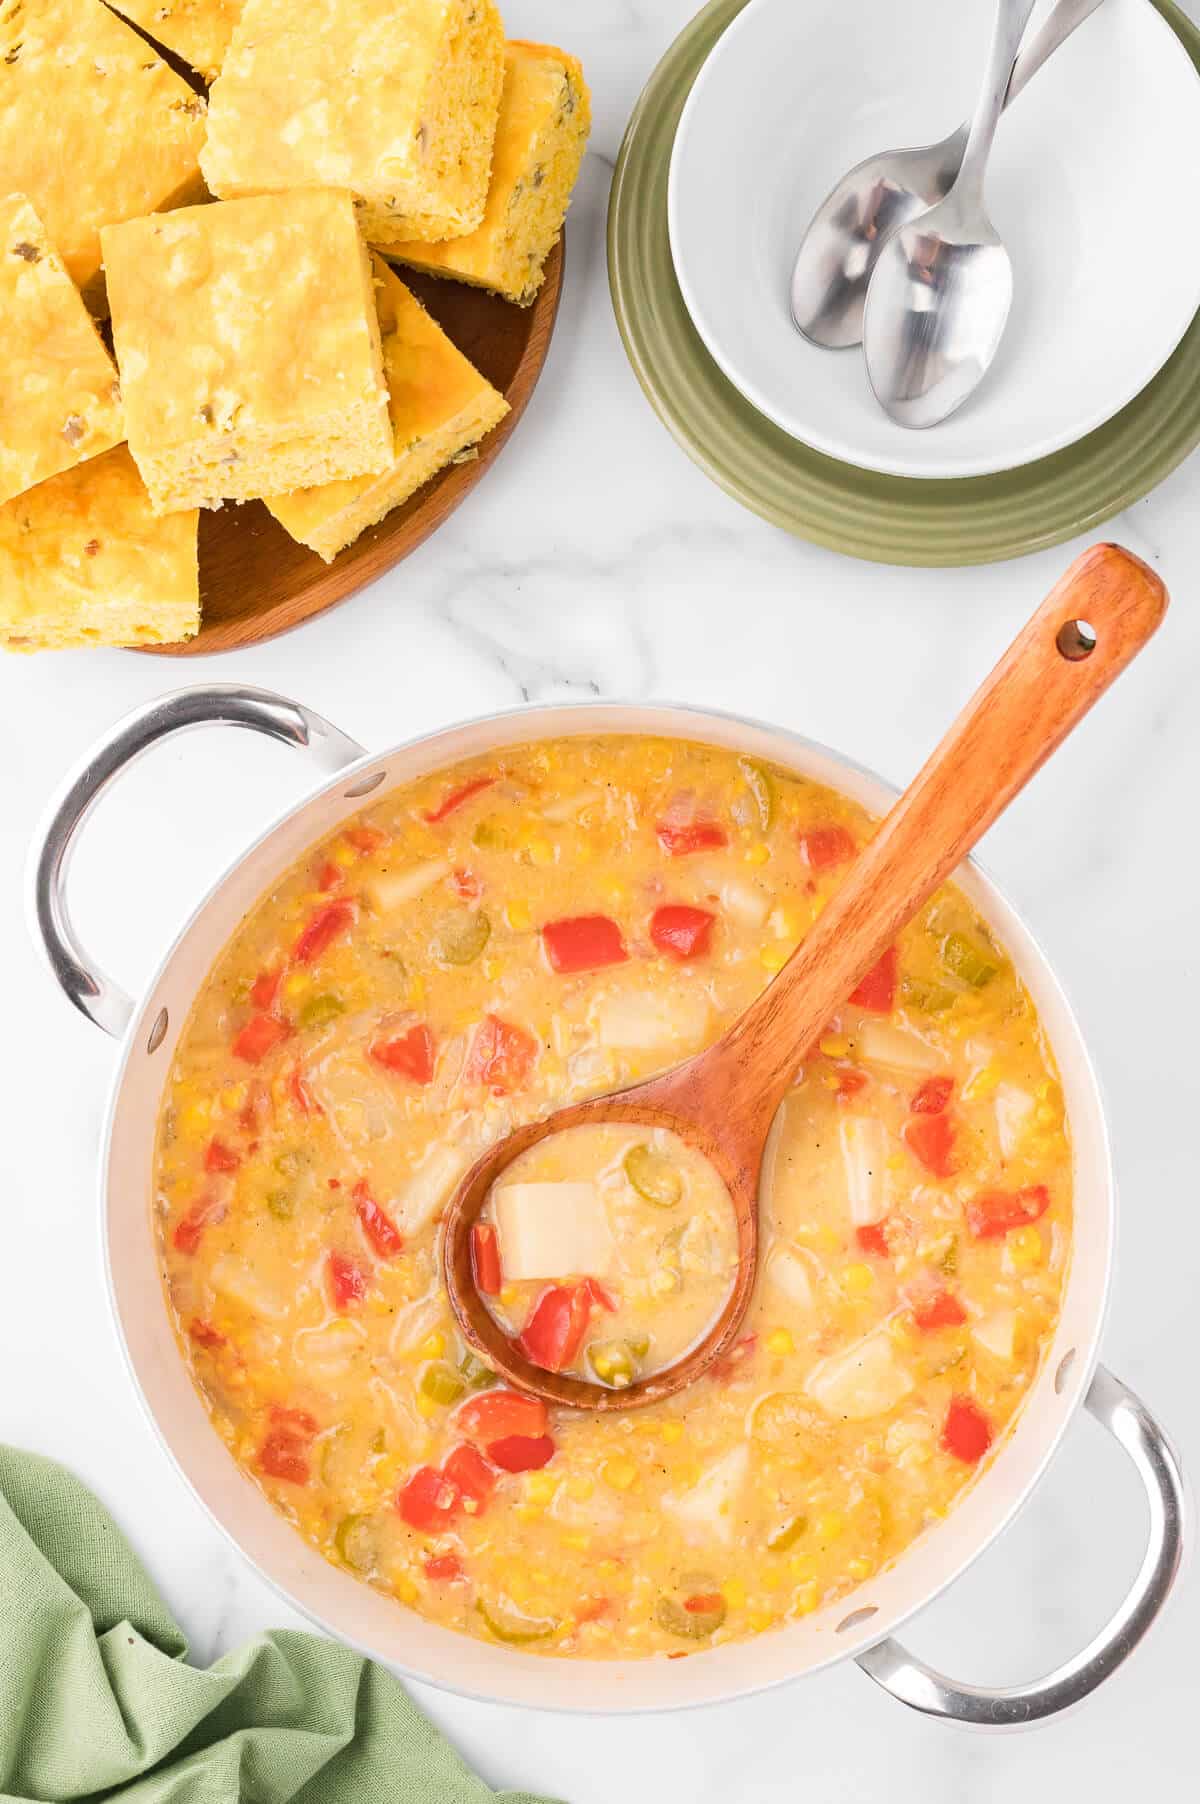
[{"x": 491, "y": 943}]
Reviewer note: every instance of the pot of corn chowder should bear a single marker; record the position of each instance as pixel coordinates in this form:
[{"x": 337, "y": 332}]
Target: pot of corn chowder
[{"x": 464, "y": 933}]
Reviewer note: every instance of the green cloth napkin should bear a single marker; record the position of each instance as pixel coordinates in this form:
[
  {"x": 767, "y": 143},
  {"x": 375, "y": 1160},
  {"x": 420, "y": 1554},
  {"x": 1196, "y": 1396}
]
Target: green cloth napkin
[{"x": 96, "y": 1699}]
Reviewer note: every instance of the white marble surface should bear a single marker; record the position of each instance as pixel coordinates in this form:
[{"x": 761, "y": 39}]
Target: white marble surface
[{"x": 595, "y": 560}]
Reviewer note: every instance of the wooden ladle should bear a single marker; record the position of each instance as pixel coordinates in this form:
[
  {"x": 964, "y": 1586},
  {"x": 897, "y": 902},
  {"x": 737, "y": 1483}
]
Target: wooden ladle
[{"x": 723, "y": 1101}]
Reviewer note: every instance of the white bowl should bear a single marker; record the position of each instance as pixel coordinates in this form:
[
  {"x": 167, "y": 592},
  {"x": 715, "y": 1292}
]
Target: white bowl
[{"x": 1084, "y": 186}]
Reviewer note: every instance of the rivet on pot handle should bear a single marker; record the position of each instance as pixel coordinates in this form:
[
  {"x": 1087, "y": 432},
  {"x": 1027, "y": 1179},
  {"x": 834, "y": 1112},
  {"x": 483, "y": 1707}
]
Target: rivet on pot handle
[
  {"x": 209, "y": 705},
  {"x": 1015, "y": 1707}
]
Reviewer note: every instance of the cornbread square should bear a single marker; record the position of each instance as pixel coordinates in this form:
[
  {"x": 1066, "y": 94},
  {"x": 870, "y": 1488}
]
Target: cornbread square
[
  {"x": 59, "y": 398},
  {"x": 395, "y": 99},
  {"x": 85, "y": 561},
  {"x": 196, "y": 30},
  {"x": 93, "y": 126},
  {"x": 248, "y": 344},
  {"x": 440, "y": 406},
  {"x": 545, "y": 118}
]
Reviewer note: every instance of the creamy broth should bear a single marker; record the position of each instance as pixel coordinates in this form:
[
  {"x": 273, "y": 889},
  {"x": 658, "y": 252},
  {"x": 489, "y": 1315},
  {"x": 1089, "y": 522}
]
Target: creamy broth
[{"x": 479, "y": 948}]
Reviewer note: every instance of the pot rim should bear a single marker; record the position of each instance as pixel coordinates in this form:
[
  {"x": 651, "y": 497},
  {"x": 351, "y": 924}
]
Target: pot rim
[{"x": 1073, "y": 1381}]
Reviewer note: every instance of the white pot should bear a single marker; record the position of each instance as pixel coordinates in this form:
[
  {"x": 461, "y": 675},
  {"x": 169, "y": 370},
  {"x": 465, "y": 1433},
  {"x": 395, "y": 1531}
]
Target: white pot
[{"x": 389, "y": 1632}]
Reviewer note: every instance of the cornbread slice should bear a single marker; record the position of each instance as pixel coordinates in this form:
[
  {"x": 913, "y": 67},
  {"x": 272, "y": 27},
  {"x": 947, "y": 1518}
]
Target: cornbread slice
[
  {"x": 93, "y": 126},
  {"x": 545, "y": 118},
  {"x": 395, "y": 99},
  {"x": 59, "y": 398},
  {"x": 248, "y": 344},
  {"x": 197, "y": 30},
  {"x": 440, "y": 405},
  {"x": 84, "y": 561}
]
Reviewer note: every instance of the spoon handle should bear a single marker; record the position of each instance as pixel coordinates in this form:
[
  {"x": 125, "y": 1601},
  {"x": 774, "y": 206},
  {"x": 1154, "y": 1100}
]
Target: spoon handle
[
  {"x": 1012, "y": 16},
  {"x": 1040, "y": 690},
  {"x": 1067, "y": 17}
]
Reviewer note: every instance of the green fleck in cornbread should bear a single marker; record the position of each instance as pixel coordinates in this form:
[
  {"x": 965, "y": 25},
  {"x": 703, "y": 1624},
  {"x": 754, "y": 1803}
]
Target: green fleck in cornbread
[
  {"x": 248, "y": 343},
  {"x": 93, "y": 126},
  {"x": 197, "y": 30},
  {"x": 545, "y": 118},
  {"x": 440, "y": 405},
  {"x": 84, "y": 561},
  {"x": 396, "y": 100},
  {"x": 59, "y": 398}
]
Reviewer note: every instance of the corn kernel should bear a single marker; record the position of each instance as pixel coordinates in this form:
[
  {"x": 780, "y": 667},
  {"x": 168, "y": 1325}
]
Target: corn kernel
[
  {"x": 759, "y": 1620},
  {"x": 491, "y": 968},
  {"x": 509, "y": 1297},
  {"x": 1025, "y": 1248},
  {"x": 859, "y": 1568},
  {"x": 672, "y": 1432},
  {"x": 663, "y": 1282},
  {"x": 619, "y": 1473},
  {"x": 404, "y": 1588},
  {"x": 982, "y": 1084},
  {"x": 833, "y": 1046},
  {"x": 541, "y": 852},
  {"x": 233, "y": 1098},
  {"x": 615, "y": 892},
  {"x": 193, "y": 1120},
  {"x": 433, "y": 1346},
  {"x": 774, "y": 958},
  {"x": 805, "y": 1600},
  {"x": 757, "y": 853},
  {"x": 426, "y": 1406},
  {"x": 528, "y": 1512},
  {"x": 858, "y": 1280},
  {"x": 734, "y": 1593},
  {"x": 343, "y": 855},
  {"x": 580, "y": 1488},
  {"x": 540, "y": 1487},
  {"x": 829, "y": 1526},
  {"x": 786, "y": 923},
  {"x": 578, "y": 1543},
  {"x": 780, "y": 1341},
  {"x": 296, "y": 985},
  {"x": 518, "y": 916}
]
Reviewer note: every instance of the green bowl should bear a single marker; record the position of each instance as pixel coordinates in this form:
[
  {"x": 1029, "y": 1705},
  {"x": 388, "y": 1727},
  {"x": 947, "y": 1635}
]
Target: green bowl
[{"x": 888, "y": 519}]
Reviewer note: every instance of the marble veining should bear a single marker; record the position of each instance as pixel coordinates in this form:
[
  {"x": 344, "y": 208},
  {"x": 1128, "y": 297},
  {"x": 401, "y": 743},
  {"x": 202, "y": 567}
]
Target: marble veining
[{"x": 597, "y": 561}]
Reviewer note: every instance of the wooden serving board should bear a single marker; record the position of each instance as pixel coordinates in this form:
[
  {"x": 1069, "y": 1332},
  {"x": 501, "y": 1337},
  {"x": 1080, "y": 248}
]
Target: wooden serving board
[{"x": 257, "y": 582}]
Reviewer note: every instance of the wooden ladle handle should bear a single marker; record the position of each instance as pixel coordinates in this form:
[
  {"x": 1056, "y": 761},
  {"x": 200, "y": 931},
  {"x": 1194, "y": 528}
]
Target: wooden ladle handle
[{"x": 1095, "y": 620}]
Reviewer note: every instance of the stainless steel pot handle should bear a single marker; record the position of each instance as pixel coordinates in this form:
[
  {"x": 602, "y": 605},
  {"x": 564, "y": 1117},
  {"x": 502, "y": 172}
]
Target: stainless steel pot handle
[
  {"x": 1016, "y": 1706},
  {"x": 209, "y": 705}
]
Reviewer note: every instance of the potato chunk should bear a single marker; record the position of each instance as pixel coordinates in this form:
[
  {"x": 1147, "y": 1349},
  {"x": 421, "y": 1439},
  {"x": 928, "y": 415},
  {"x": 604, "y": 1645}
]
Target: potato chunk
[
  {"x": 864, "y": 1380},
  {"x": 552, "y": 1231}
]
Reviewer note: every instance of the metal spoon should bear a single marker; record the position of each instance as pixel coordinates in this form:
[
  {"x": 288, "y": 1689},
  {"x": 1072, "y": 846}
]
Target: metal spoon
[
  {"x": 939, "y": 300},
  {"x": 1093, "y": 623},
  {"x": 841, "y": 247}
]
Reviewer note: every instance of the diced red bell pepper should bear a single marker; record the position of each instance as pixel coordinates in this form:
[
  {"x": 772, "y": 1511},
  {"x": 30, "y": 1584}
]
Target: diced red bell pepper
[
  {"x": 967, "y": 1433},
  {"x": 680, "y": 838},
  {"x": 583, "y": 943},
  {"x": 497, "y": 1414},
  {"x": 682, "y": 932},
  {"x": 485, "y": 1259},
  {"x": 365, "y": 839},
  {"x": 554, "y": 1332},
  {"x": 284, "y": 1451},
  {"x": 376, "y": 1223},
  {"x": 189, "y": 1232},
  {"x": 262, "y": 990},
  {"x": 300, "y": 1093},
  {"x": 444, "y": 1568},
  {"x": 873, "y": 1239},
  {"x": 930, "y": 1139},
  {"x": 466, "y": 885},
  {"x": 600, "y": 1295},
  {"x": 850, "y": 1081},
  {"x": 518, "y": 1453},
  {"x": 457, "y": 798},
  {"x": 429, "y": 1500},
  {"x": 823, "y": 847},
  {"x": 220, "y": 1157},
  {"x": 932, "y": 1096},
  {"x": 591, "y": 1609},
  {"x": 205, "y": 1335},
  {"x": 257, "y": 1108},
  {"x": 261, "y": 1035},
  {"x": 877, "y": 991},
  {"x": 702, "y": 1602},
  {"x": 412, "y": 1054},
  {"x": 348, "y": 1280},
  {"x": 936, "y": 1308},
  {"x": 501, "y": 1056},
  {"x": 473, "y": 1475},
  {"x": 322, "y": 928},
  {"x": 329, "y": 876},
  {"x": 996, "y": 1212}
]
